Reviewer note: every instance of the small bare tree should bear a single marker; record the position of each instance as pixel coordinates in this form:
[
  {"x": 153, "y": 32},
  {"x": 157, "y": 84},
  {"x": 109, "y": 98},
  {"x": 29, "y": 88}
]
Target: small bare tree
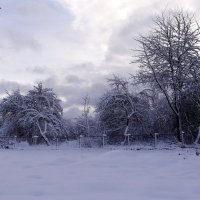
[
  {"x": 86, "y": 112},
  {"x": 121, "y": 111},
  {"x": 169, "y": 58},
  {"x": 122, "y": 93},
  {"x": 84, "y": 120}
]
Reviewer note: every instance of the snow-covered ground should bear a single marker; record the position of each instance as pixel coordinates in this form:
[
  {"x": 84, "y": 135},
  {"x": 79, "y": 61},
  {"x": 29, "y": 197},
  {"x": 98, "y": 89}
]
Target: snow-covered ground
[{"x": 99, "y": 174}]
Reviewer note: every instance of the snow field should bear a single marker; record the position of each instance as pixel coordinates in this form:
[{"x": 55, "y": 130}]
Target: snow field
[{"x": 99, "y": 174}]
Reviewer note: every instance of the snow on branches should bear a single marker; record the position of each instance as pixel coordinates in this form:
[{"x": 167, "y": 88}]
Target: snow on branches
[{"x": 37, "y": 113}]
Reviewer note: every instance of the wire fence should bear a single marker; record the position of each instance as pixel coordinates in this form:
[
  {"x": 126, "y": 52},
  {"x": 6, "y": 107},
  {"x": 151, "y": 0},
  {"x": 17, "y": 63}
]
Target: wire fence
[{"x": 82, "y": 141}]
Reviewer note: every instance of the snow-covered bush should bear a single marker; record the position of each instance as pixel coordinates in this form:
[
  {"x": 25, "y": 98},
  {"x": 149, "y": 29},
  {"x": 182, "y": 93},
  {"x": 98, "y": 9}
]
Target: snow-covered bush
[{"x": 37, "y": 113}]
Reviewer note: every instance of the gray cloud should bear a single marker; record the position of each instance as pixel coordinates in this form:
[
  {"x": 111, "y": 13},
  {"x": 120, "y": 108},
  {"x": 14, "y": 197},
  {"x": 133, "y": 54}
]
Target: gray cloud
[
  {"x": 76, "y": 91},
  {"x": 72, "y": 112},
  {"x": 72, "y": 79},
  {"x": 123, "y": 40},
  {"x": 11, "y": 86},
  {"x": 25, "y": 24},
  {"x": 38, "y": 69},
  {"x": 18, "y": 41}
]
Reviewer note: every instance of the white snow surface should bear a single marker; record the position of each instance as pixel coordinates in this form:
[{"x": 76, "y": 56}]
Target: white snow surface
[{"x": 99, "y": 174}]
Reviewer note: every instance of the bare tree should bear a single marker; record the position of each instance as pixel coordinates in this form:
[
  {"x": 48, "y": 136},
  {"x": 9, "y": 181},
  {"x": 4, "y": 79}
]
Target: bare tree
[
  {"x": 121, "y": 91},
  {"x": 169, "y": 58},
  {"x": 86, "y": 111},
  {"x": 119, "y": 109},
  {"x": 84, "y": 121}
]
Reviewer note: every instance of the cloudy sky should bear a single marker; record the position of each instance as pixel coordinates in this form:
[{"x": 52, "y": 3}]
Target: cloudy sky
[{"x": 73, "y": 45}]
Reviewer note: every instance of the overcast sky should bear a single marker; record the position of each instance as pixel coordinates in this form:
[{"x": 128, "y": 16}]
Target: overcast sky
[{"x": 73, "y": 45}]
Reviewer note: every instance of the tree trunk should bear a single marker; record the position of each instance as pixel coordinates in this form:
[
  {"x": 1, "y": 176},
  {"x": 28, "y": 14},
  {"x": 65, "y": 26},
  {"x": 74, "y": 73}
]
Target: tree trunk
[
  {"x": 43, "y": 133},
  {"x": 127, "y": 126},
  {"x": 126, "y": 130},
  {"x": 198, "y": 137},
  {"x": 179, "y": 129}
]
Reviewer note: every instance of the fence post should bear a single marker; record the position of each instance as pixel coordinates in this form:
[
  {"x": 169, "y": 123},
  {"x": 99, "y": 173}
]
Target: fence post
[
  {"x": 182, "y": 138},
  {"x": 104, "y": 135},
  {"x": 155, "y": 139},
  {"x": 35, "y": 137},
  {"x": 81, "y": 136},
  {"x": 56, "y": 143},
  {"x": 128, "y": 138},
  {"x": 15, "y": 143}
]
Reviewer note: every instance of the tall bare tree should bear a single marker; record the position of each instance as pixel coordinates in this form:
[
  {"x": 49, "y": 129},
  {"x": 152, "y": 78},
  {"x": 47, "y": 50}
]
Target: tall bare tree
[
  {"x": 83, "y": 120},
  {"x": 169, "y": 58}
]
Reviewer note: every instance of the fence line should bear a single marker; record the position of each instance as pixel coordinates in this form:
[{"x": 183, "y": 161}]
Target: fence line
[{"x": 82, "y": 141}]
